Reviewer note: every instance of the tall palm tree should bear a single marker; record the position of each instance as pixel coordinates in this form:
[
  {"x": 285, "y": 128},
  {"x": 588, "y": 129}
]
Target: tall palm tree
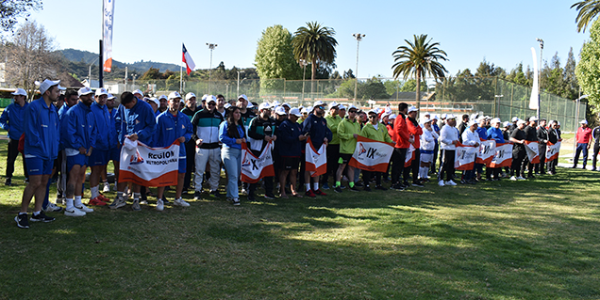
[
  {"x": 419, "y": 58},
  {"x": 314, "y": 43},
  {"x": 588, "y": 10}
]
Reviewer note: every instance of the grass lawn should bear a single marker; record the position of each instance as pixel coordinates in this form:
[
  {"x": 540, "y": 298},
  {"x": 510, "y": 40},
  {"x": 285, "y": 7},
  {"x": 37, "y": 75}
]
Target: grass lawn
[{"x": 504, "y": 240}]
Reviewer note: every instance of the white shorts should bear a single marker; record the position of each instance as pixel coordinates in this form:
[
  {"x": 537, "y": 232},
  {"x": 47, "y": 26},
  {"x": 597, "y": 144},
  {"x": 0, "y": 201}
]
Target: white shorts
[{"x": 426, "y": 158}]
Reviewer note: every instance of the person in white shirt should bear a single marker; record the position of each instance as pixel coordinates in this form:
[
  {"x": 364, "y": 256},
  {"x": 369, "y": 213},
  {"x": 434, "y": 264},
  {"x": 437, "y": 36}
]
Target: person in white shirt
[
  {"x": 470, "y": 137},
  {"x": 428, "y": 139},
  {"x": 448, "y": 139}
]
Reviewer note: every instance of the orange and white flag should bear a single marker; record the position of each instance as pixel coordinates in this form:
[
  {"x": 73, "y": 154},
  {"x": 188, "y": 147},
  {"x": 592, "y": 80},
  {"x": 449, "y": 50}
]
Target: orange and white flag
[{"x": 147, "y": 166}]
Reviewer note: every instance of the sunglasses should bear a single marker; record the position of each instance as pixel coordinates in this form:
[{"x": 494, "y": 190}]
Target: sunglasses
[
  {"x": 352, "y": 111},
  {"x": 372, "y": 116},
  {"x": 211, "y": 103}
]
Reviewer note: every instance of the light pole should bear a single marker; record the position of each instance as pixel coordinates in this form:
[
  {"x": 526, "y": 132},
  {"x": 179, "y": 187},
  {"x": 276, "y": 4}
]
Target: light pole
[
  {"x": 498, "y": 106},
  {"x": 358, "y": 38},
  {"x": 540, "y": 77},
  {"x": 238, "y": 83},
  {"x": 211, "y": 47}
]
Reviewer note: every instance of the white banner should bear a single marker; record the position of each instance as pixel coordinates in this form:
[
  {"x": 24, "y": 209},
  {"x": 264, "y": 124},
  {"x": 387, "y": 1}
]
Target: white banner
[
  {"x": 487, "y": 150},
  {"x": 502, "y": 156},
  {"x": 254, "y": 168},
  {"x": 410, "y": 155},
  {"x": 552, "y": 151},
  {"x": 316, "y": 161},
  {"x": 371, "y": 155},
  {"x": 464, "y": 158},
  {"x": 533, "y": 152},
  {"x": 107, "y": 24},
  {"x": 147, "y": 166}
]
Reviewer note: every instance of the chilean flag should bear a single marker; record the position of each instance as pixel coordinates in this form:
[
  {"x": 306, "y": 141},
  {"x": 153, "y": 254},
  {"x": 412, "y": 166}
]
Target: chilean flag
[{"x": 187, "y": 59}]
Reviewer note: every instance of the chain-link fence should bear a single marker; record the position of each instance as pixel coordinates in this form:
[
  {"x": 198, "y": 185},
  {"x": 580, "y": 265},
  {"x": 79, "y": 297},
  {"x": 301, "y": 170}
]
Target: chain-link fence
[{"x": 491, "y": 96}]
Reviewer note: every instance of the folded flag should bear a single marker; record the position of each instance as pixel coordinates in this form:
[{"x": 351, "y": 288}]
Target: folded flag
[{"x": 255, "y": 168}]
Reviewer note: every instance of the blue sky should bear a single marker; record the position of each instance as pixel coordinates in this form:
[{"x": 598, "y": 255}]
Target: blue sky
[{"x": 502, "y": 32}]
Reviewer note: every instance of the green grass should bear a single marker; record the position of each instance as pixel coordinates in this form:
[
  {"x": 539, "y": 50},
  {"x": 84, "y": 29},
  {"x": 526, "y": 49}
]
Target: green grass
[{"x": 508, "y": 240}]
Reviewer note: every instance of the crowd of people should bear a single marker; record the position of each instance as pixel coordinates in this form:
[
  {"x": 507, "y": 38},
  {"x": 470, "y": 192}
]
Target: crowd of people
[{"x": 64, "y": 132}]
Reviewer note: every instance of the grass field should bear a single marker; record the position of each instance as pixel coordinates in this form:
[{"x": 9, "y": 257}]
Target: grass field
[{"x": 536, "y": 239}]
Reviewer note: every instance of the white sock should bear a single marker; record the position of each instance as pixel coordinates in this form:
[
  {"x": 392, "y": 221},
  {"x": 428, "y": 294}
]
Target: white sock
[
  {"x": 307, "y": 186},
  {"x": 36, "y": 213},
  {"x": 316, "y": 185},
  {"x": 95, "y": 193},
  {"x": 69, "y": 203},
  {"x": 77, "y": 201}
]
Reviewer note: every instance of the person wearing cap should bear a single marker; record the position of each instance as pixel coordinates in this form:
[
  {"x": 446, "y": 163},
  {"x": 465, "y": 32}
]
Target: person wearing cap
[
  {"x": 513, "y": 126},
  {"x": 542, "y": 136},
  {"x": 260, "y": 133},
  {"x": 163, "y": 104},
  {"x": 403, "y": 141},
  {"x": 80, "y": 142},
  {"x": 71, "y": 98},
  {"x": 190, "y": 109},
  {"x": 348, "y": 130},
  {"x": 114, "y": 153},
  {"x": 207, "y": 149},
  {"x": 221, "y": 105},
  {"x": 496, "y": 134},
  {"x": 428, "y": 141},
  {"x": 415, "y": 132},
  {"x": 518, "y": 137},
  {"x": 289, "y": 148},
  {"x": 448, "y": 140},
  {"x": 596, "y": 137},
  {"x": 105, "y": 141},
  {"x": 315, "y": 127},
  {"x": 376, "y": 131},
  {"x": 333, "y": 148},
  {"x": 304, "y": 111},
  {"x": 436, "y": 149},
  {"x": 12, "y": 120},
  {"x": 42, "y": 137},
  {"x": 172, "y": 126},
  {"x": 482, "y": 128},
  {"x": 553, "y": 137},
  {"x": 154, "y": 103},
  {"x": 287, "y": 108},
  {"x": 135, "y": 121},
  {"x": 531, "y": 132},
  {"x": 470, "y": 137},
  {"x": 584, "y": 139},
  {"x": 247, "y": 115},
  {"x": 389, "y": 125}
]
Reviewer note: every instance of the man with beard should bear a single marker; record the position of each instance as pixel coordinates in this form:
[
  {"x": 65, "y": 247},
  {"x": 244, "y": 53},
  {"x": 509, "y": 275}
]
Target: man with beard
[
  {"x": 542, "y": 136},
  {"x": 246, "y": 116},
  {"x": 333, "y": 148},
  {"x": 531, "y": 132},
  {"x": 415, "y": 132},
  {"x": 260, "y": 133},
  {"x": 190, "y": 110},
  {"x": 104, "y": 142},
  {"x": 221, "y": 105},
  {"x": 315, "y": 126},
  {"x": 518, "y": 137}
]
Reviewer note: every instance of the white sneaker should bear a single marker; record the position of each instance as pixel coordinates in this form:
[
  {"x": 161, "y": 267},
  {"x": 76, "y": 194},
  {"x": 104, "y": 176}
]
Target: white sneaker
[
  {"x": 180, "y": 202},
  {"x": 106, "y": 188},
  {"x": 160, "y": 206},
  {"x": 441, "y": 183},
  {"x": 52, "y": 208},
  {"x": 513, "y": 178},
  {"x": 450, "y": 182},
  {"x": 521, "y": 178},
  {"x": 244, "y": 192},
  {"x": 74, "y": 212},
  {"x": 84, "y": 208}
]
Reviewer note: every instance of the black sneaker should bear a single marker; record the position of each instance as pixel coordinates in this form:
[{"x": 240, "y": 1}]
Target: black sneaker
[
  {"x": 353, "y": 189},
  {"x": 381, "y": 188},
  {"x": 358, "y": 184},
  {"x": 41, "y": 217},
  {"x": 250, "y": 198},
  {"x": 417, "y": 184},
  {"x": 22, "y": 221},
  {"x": 197, "y": 195},
  {"x": 367, "y": 188},
  {"x": 398, "y": 187},
  {"x": 269, "y": 196},
  {"x": 184, "y": 192},
  {"x": 215, "y": 194},
  {"x": 8, "y": 182},
  {"x": 338, "y": 189}
]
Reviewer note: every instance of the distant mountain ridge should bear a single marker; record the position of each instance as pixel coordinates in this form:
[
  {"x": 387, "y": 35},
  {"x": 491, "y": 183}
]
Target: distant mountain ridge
[{"x": 87, "y": 57}]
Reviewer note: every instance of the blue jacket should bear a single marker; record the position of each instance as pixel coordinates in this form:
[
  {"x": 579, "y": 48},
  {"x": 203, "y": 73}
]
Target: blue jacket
[
  {"x": 104, "y": 126},
  {"x": 170, "y": 127},
  {"x": 287, "y": 143},
  {"x": 482, "y": 133},
  {"x": 114, "y": 142},
  {"x": 61, "y": 119},
  {"x": 496, "y": 134},
  {"x": 42, "y": 134},
  {"x": 80, "y": 130},
  {"x": 228, "y": 141},
  {"x": 139, "y": 119},
  {"x": 317, "y": 130},
  {"x": 12, "y": 120}
]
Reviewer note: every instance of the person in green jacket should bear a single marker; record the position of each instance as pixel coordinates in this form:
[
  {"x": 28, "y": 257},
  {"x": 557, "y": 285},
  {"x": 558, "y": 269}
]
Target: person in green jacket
[
  {"x": 348, "y": 130},
  {"x": 333, "y": 148},
  {"x": 378, "y": 132}
]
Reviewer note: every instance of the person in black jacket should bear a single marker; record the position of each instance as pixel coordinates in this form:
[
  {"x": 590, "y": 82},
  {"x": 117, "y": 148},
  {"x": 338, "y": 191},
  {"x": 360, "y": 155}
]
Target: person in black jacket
[
  {"x": 531, "y": 133},
  {"x": 260, "y": 133},
  {"x": 463, "y": 126},
  {"x": 596, "y": 137},
  {"x": 542, "y": 136},
  {"x": 518, "y": 136},
  {"x": 553, "y": 137},
  {"x": 189, "y": 110},
  {"x": 289, "y": 146}
]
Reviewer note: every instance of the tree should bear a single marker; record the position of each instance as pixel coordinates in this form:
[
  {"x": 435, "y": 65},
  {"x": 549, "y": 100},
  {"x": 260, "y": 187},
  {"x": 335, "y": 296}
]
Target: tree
[
  {"x": 588, "y": 68},
  {"x": 275, "y": 55},
  {"x": 588, "y": 10},
  {"x": 30, "y": 57},
  {"x": 348, "y": 74},
  {"x": 13, "y": 9},
  {"x": 152, "y": 73},
  {"x": 571, "y": 88},
  {"x": 419, "y": 58},
  {"x": 315, "y": 44}
]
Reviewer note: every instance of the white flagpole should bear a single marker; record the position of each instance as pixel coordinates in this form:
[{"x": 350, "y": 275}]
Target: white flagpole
[{"x": 180, "y": 77}]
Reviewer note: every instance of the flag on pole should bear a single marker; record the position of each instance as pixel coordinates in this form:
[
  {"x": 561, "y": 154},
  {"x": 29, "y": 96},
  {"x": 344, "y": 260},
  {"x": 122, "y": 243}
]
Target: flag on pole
[
  {"x": 187, "y": 59},
  {"x": 535, "y": 89},
  {"x": 107, "y": 24},
  {"x": 254, "y": 168}
]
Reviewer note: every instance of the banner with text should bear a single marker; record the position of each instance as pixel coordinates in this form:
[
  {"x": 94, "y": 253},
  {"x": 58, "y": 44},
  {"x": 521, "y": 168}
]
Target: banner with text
[
  {"x": 371, "y": 155},
  {"x": 147, "y": 166},
  {"x": 552, "y": 151},
  {"x": 533, "y": 152},
  {"x": 487, "y": 149},
  {"x": 502, "y": 156},
  {"x": 316, "y": 161},
  {"x": 464, "y": 158},
  {"x": 254, "y": 168}
]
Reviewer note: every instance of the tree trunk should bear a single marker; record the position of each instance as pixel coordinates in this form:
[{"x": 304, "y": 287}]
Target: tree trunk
[
  {"x": 312, "y": 78},
  {"x": 418, "y": 91}
]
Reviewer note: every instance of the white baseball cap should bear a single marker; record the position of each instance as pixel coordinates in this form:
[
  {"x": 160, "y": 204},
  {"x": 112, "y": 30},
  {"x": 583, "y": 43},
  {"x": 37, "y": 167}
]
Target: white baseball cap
[
  {"x": 84, "y": 91},
  {"x": 101, "y": 91},
  {"x": 450, "y": 116},
  {"x": 471, "y": 123},
  {"x": 264, "y": 105},
  {"x": 318, "y": 103},
  {"x": 393, "y": 116},
  {"x": 306, "y": 110},
  {"x": 333, "y": 104},
  {"x": 341, "y": 107},
  {"x": 444, "y": 116},
  {"x": 352, "y": 106},
  {"x": 521, "y": 122},
  {"x": 189, "y": 96},
  {"x": 250, "y": 105},
  {"x": 514, "y": 119},
  {"x": 412, "y": 108},
  {"x": 506, "y": 124},
  {"x": 280, "y": 111},
  {"x": 47, "y": 83},
  {"x": 496, "y": 120},
  {"x": 242, "y": 96},
  {"x": 174, "y": 95},
  {"x": 296, "y": 112},
  {"x": 204, "y": 97},
  {"x": 583, "y": 122},
  {"x": 227, "y": 105},
  {"x": 162, "y": 97},
  {"x": 533, "y": 119},
  {"x": 287, "y": 104},
  {"x": 435, "y": 117},
  {"x": 210, "y": 98},
  {"x": 19, "y": 92},
  {"x": 110, "y": 96},
  {"x": 374, "y": 111},
  {"x": 153, "y": 100},
  {"x": 138, "y": 91},
  {"x": 275, "y": 103}
]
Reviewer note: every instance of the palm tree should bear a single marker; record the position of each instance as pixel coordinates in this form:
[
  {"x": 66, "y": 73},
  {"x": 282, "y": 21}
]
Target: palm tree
[
  {"x": 419, "y": 58},
  {"x": 314, "y": 43},
  {"x": 588, "y": 10}
]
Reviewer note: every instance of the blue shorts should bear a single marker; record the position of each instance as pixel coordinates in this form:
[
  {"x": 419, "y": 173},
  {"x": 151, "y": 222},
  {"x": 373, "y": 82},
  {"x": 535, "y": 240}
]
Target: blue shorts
[
  {"x": 79, "y": 159},
  {"x": 38, "y": 166},
  {"x": 182, "y": 165},
  {"x": 115, "y": 154},
  {"x": 98, "y": 158}
]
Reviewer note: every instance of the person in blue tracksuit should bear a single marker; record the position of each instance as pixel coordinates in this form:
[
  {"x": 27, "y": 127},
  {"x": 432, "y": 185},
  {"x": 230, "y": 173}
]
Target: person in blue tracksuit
[
  {"x": 71, "y": 98},
  {"x": 106, "y": 134},
  {"x": 135, "y": 121},
  {"x": 79, "y": 141},
  {"x": 41, "y": 148},
  {"x": 289, "y": 146},
  {"x": 495, "y": 133},
  {"x": 115, "y": 149},
  {"x": 173, "y": 125},
  {"x": 12, "y": 121},
  {"x": 315, "y": 126}
]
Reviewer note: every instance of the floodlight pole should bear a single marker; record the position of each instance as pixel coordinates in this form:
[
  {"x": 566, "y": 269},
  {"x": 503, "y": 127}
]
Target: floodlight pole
[
  {"x": 540, "y": 77},
  {"x": 211, "y": 47},
  {"x": 358, "y": 38}
]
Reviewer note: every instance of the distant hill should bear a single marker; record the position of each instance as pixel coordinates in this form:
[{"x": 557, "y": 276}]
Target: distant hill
[{"x": 87, "y": 57}]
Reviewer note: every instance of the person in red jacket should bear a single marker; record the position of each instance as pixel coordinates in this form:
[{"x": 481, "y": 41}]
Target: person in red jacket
[
  {"x": 584, "y": 138},
  {"x": 402, "y": 139},
  {"x": 415, "y": 132}
]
